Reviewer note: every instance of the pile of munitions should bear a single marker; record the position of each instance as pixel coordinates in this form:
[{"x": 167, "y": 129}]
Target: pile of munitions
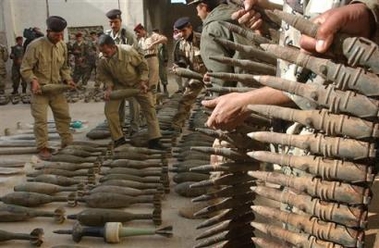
[
  {"x": 328, "y": 189},
  {"x": 106, "y": 180}
]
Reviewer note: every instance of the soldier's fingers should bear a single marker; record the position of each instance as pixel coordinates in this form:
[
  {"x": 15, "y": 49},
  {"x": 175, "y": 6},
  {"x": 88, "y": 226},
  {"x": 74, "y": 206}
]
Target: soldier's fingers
[
  {"x": 256, "y": 25},
  {"x": 308, "y": 43},
  {"x": 236, "y": 15},
  {"x": 248, "y": 17},
  {"x": 209, "y": 103}
]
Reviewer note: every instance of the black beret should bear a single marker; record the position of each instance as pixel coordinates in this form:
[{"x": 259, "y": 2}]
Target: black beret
[
  {"x": 114, "y": 14},
  {"x": 78, "y": 35},
  {"x": 139, "y": 26},
  {"x": 56, "y": 23},
  {"x": 105, "y": 39},
  {"x": 182, "y": 22}
]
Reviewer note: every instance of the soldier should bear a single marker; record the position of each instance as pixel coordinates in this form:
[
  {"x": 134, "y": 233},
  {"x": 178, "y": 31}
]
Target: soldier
[
  {"x": 121, "y": 67},
  {"x": 3, "y": 70},
  {"x": 17, "y": 52},
  {"x": 45, "y": 62},
  {"x": 188, "y": 56},
  {"x": 149, "y": 45},
  {"x": 79, "y": 50},
  {"x": 122, "y": 35},
  {"x": 92, "y": 55},
  {"x": 163, "y": 59}
]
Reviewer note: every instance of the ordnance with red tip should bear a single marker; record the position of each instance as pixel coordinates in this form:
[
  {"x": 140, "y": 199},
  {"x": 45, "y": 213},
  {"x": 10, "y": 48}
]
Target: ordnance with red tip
[
  {"x": 235, "y": 214},
  {"x": 249, "y": 52},
  {"x": 226, "y": 152},
  {"x": 331, "y": 124},
  {"x": 98, "y": 217},
  {"x": 59, "y": 180},
  {"x": 112, "y": 232},
  {"x": 61, "y": 172},
  {"x": 295, "y": 238},
  {"x": 325, "y": 190},
  {"x": 247, "y": 65},
  {"x": 246, "y": 79},
  {"x": 136, "y": 164},
  {"x": 136, "y": 172},
  {"x": 228, "y": 203},
  {"x": 121, "y": 190},
  {"x": 244, "y": 233},
  {"x": 45, "y": 188},
  {"x": 35, "y": 237},
  {"x": 245, "y": 32},
  {"x": 321, "y": 145},
  {"x": 350, "y": 216},
  {"x": 357, "y": 50},
  {"x": 229, "y": 191},
  {"x": 131, "y": 178},
  {"x": 228, "y": 179},
  {"x": 343, "y": 77},
  {"x": 329, "y": 231},
  {"x": 327, "y": 96},
  {"x": 12, "y": 213},
  {"x": 325, "y": 168},
  {"x": 266, "y": 243},
  {"x": 187, "y": 73}
]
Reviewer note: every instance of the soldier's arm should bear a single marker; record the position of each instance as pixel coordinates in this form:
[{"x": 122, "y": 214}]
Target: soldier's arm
[
  {"x": 140, "y": 64},
  {"x": 28, "y": 63},
  {"x": 159, "y": 39},
  {"x": 103, "y": 74}
]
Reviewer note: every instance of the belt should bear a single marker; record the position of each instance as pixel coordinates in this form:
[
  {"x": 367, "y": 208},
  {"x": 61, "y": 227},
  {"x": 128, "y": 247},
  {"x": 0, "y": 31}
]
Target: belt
[{"x": 150, "y": 55}]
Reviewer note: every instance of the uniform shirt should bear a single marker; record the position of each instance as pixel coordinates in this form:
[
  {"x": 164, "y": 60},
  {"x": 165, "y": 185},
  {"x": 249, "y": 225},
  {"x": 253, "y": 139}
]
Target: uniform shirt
[
  {"x": 123, "y": 36},
  {"x": 46, "y": 62},
  {"x": 190, "y": 49},
  {"x": 3, "y": 58},
  {"x": 125, "y": 68},
  {"x": 17, "y": 52},
  {"x": 79, "y": 50},
  {"x": 145, "y": 42}
]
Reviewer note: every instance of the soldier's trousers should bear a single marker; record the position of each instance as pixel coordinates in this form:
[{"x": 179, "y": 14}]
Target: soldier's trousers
[
  {"x": 146, "y": 102},
  {"x": 60, "y": 109},
  {"x": 16, "y": 78},
  {"x": 153, "y": 65},
  {"x": 2, "y": 82}
]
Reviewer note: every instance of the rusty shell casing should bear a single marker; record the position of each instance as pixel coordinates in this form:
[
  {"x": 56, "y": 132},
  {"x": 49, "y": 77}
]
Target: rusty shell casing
[
  {"x": 129, "y": 163},
  {"x": 248, "y": 51},
  {"x": 235, "y": 214},
  {"x": 54, "y": 88},
  {"x": 321, "y": 145},
  {"x": 226, "y": 152},
  {"x": 329, "y": 231},
  {"x": 123, "y": 93},
  {"x": 343, "y": 77},
  {"x": 42, "y": 188},
  {"x": 227, "y": 167},
  {"x": 60, "y": 172},
  {"x": 246, "y": 79},
  {"x": 11, "y": 213},
  {"x": 30, "y": 199},
  {"x": 245, "y": 32},
  {"x": 228, "y": 203},
  {"x": 325, "y": 190},
  {"x": 122, "y": 190},
  {"x": 187, "y": 73},
  {"x": 230, "y": 191},
  {"x": 357, "y": 50},
  {"x": 228, "y": 179},
  {"x": 325, "y": 168},
  {"x": 247, "y": 65},
  {"x": 55, "y": 179},
  {"x": 297, "y": 239},
  {"x": 224, "y": 90},
  {"x": 224, "y": 226},
  {"x": 113, "y": 200},
  {"x": 35, "y": 237},
  {"x": 130, "y": 178},
  {"x": 332, "y": 124},
  {"x": 135, "y": 172},
  {"x": 72, "y": 159},
  {"x": 328, "y": 97},
  {"x": 98, "y": 217},
  {"x": 227, "y": 235},
  {"x": 355, "y": 217},
  {"x": 266, "y": 243},
  {"x": 132, "y": 184}
]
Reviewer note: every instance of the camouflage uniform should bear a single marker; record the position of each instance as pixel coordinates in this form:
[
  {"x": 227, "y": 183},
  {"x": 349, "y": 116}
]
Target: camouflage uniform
[
  {"x": 48, "y": 64},
  {"x": 79, "y": 50},
  {"x": 17, "y": 52},
  {"x": 125, "y": 70},
  {"x": 3, "y": 70},
  {"x": 163, "y": 59},
  {"x": 92, "y": 55}
]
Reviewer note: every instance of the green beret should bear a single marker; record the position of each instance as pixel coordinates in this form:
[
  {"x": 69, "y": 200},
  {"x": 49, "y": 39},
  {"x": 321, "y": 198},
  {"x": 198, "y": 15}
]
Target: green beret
[
  {"x": 114, "y": 14},
  {"x": 56, "y": 23}
]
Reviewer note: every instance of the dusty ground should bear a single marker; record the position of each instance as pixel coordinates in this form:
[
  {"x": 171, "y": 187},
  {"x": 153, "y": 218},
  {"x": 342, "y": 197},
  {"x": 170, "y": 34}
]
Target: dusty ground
[{"x": 184, "y": 230}]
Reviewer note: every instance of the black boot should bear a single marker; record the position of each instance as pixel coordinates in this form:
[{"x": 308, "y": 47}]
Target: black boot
[
  {"x": 15, "y": 91},
  {"x": 24, "y": 90},
  {"x": 119, "y": 142},
  {"x": 156, "y": 144}
]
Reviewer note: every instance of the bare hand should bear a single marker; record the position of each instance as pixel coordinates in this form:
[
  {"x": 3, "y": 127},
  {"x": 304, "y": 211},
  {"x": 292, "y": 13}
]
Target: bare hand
[
  {"x": 36, "y": 88},
  {"x": 71, "y": 84},
  {"x": 107, "y": 94},
  {"x": 353, "y": 19},
  {"x": 248, "y": 16},
  {"x": 229, "y": 111},
  {"x": 144, "y": 87}
]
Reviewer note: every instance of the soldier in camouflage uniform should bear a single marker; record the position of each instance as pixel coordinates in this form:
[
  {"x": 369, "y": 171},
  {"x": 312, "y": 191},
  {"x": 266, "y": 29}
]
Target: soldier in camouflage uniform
[
  {"x": 79, "y": 50},
  {"x": 3, "y": 70},
  {"x": 92, "y": 55},
  {"x": 17, "y": 52}
]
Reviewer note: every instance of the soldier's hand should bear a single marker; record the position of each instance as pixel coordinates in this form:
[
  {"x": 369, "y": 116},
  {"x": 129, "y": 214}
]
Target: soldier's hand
[
  {"x": 248, "y": 16},
  {"x": 353, "y": 19},
  {"x": 71, "y": 84},
  {"x": 36, "y": 88},
  {"x": 144, "y": 87},
  {"x": 229, "y": 111},
  {"x": 107, "y": 94}
]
